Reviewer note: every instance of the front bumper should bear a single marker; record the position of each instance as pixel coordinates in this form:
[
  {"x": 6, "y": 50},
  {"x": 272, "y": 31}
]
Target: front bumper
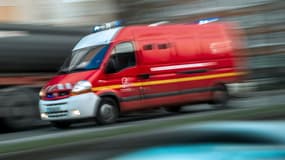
[{"x": 75, "y": 107}]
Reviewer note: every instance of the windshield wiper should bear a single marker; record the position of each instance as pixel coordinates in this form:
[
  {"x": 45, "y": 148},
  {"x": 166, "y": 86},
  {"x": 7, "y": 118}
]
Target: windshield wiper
[
  {"x": 63, "y": 71},
  {"x": 71, "y": 70},
  {"x": 78, "y": 69}
]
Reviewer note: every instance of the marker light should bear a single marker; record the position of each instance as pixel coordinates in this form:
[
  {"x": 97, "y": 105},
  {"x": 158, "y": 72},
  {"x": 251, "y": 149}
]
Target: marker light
[
  {"x": 106, "y": 26},
  {"x": 80, "y": 87},
  {"x": 207, "y": 20}
]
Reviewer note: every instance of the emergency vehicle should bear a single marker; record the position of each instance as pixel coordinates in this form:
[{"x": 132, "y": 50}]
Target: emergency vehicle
[{"x": 118, "y": 69}]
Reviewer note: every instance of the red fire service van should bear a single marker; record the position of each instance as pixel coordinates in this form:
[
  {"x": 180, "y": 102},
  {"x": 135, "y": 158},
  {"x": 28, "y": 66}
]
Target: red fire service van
[{"x": 118, "y": 69}]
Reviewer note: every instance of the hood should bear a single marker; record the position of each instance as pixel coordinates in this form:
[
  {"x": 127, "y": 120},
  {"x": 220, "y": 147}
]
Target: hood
[
  {"x": 70, "y": 78},
  {"x": 60, "y": 86}
]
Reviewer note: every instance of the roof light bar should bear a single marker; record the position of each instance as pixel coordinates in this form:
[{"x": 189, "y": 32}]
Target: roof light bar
[
  {"x": 208, "y": 20},
  {"x": 158, "y": 23},
  {"x": 108, "y": 25}
]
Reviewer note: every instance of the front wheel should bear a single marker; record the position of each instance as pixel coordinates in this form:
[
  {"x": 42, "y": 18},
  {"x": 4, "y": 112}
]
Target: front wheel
[{"x": 107, "y": 111}]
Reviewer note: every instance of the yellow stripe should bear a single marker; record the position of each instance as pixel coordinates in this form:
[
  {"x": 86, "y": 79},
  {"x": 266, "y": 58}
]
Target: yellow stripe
[
  {"x": 158, "y": 82},
  {"x": 116, "y": 86}
]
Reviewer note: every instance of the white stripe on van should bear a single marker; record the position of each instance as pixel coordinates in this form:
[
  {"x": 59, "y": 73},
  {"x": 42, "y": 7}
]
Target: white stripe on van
[{"x": 194, "y": 65}]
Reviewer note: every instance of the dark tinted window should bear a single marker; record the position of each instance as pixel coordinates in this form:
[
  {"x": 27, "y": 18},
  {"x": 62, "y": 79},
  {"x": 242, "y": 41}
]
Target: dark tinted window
[
  {"x": 163, "y": 46},
  {"x": 123, "y": 56},
  {"x": 148, "y": 47}
]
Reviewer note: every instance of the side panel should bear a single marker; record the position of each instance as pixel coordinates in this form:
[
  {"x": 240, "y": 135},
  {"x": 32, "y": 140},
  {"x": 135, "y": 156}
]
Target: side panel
[
  {"x": 174, "y": 70},
  {"x": 155, "y": 84},
  {"x": 218, "y": 46},
  {"x": 124, "y": 85},
  {"x": 190, "y": 68}
]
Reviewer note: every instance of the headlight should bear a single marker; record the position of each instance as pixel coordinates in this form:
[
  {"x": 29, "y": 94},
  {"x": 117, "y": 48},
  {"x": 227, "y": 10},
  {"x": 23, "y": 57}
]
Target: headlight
[{"x": 81, "y": 87}]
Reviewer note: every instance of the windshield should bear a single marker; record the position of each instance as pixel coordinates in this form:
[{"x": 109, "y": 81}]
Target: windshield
[{"x": 85, "y": 59}]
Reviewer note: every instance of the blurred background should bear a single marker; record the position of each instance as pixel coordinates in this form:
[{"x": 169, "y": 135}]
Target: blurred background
[
  {"x": 62, "y": 23},
  {"x": 36, "y": 37}
]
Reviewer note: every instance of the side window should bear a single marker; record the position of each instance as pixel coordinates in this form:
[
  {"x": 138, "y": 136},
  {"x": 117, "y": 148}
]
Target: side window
[
  {"x": 148, "y": 47},
  {"x": 158, "y": 51},
  {"x": 123, "y": 56},
  {"x": 163, "y": 46}
]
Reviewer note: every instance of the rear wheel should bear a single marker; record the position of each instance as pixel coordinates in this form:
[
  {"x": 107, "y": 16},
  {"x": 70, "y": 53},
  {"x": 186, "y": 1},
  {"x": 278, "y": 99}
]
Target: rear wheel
[
  {"x": 107, "y": 111},
  {"x": 61, "y": 124},
  {"x": 220, "y": 97}
]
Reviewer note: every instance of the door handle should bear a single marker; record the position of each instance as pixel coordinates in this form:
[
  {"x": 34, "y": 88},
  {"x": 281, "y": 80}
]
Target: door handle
[{"x": 143, "y": 76}]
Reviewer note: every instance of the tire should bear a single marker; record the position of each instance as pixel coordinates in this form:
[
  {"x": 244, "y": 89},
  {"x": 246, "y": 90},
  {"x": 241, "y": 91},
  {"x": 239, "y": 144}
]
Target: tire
[
  {"x": 220, "y": 97},
  {"x": 61, "y": 124},
  {"x": 173, "y": 109},
  {"x": 107, "y": 111}
]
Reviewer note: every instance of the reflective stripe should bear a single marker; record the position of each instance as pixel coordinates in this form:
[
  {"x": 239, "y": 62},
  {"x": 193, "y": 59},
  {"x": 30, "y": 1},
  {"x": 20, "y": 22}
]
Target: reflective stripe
[
  {"x": 177, "y": 80},
  {"x": 116, "y": 86},
  {"x": 164, "y": 68}
]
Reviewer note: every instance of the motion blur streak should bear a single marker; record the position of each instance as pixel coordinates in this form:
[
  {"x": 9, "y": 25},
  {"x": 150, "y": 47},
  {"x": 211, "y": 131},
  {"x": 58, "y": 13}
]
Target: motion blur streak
[{"x": 37, "y": 36}]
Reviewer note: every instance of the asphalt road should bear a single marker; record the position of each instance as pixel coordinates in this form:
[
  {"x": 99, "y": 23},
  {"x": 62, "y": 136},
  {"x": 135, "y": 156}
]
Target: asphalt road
[
  {"x": 258, "y": 137},
  {"x": 110, "y": 147},
  {"x": 260, "y": 99}
]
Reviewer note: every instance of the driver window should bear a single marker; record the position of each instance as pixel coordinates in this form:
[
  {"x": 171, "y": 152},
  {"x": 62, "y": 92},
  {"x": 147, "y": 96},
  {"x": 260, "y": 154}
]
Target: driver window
[{"x": 123, "y": 56}]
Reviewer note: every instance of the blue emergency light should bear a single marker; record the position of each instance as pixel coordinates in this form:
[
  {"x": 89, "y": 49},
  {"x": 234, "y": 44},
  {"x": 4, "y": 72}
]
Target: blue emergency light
[
  {"x": 108, "y": 25},
  {"x": 207, "y": 20}
]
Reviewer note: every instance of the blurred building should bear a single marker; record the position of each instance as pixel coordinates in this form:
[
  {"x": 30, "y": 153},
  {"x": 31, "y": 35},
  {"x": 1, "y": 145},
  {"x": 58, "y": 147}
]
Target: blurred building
[
  {"x": 262, "y": 20},
  {"x": 58, "y": 12}
]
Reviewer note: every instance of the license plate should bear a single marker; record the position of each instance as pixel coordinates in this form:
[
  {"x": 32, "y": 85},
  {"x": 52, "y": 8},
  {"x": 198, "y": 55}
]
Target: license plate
[{"x": 53, "y": 109}]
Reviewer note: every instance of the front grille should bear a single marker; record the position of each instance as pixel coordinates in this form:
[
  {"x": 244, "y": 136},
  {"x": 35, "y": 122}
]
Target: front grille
[
  {"x": 57, "y": 114},
  {"x": 64, "y": 93},
  {"x": 49, "y": 95},
  {"x": 56, "y": 104},
  {"x": 58, "y": 94}
]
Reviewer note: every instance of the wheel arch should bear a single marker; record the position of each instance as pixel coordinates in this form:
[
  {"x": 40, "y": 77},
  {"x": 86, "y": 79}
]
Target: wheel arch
[
  {"x": 220, "y": 85},
  {"x": 112, "y": 95}
]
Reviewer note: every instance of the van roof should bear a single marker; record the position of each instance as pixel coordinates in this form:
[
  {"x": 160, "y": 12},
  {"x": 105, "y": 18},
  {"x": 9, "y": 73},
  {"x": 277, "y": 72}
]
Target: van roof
[
  {"x": 140, "y": 32},
  {"x": 99, "y": 38},
  {"x": 145, "y": 32}
]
